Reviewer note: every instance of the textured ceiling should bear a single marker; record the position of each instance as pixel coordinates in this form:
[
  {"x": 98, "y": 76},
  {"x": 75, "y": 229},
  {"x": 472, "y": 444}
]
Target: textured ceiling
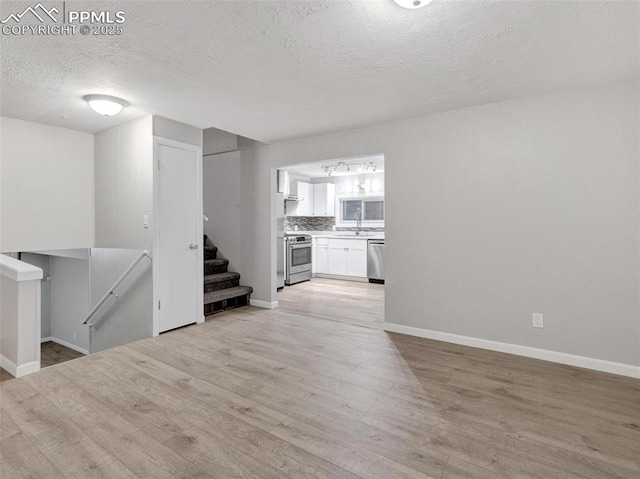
[{"x": 271, "y": 70}]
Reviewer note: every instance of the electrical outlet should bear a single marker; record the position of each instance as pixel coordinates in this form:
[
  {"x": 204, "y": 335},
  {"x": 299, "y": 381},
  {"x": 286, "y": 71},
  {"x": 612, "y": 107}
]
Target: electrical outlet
[
  {"x": 74, "y": 335},
  {"x": 537, "y": 320}
]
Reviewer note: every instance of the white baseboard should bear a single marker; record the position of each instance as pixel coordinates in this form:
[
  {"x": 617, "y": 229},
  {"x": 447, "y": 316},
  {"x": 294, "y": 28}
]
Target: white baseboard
[
  {"x": 356, "y": 279},
  {"x": 18, "y": 371},
  {"x": 8, "y": 365},
  {"x": 28, "y": 368},
  {"x": 263, "y": 304},
  {"x": 526, "y": 351},
  {"x": 65, "y": 344}
]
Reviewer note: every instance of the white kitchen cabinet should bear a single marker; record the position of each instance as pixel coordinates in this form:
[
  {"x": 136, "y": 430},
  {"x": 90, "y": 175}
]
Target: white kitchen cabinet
[
  {"x": 304, "y": 205},
  {"x": 357, "y": 259},
  {"x": 324, "y": 199},
  {"x": 347, "y": 257},
  {"x": 337, "y": 261},
  {"x": 321, "y": 262}
]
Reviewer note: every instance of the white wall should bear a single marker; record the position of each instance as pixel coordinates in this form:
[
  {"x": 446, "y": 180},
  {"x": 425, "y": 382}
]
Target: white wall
[
  {"x": 42, "y": 262},
  {"x": 129, "y": 317},
  {"x": 175, "y": 130},
  {"x": 9, "y": 323},
  {"x": 222, "y": 200},
  {"x": 19, "y": 326},
  {"x": 47, "y": 187},
  {"x": 70, "y": 296},
  {"x": 19, "y": 316},
  {"x": 347, "y": 185},
  {"x": 124, "y": 185},
  {"x": 494, "y": 212}
]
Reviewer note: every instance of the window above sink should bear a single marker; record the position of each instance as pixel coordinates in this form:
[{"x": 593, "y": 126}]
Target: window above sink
[{"x": 371, "y": 209}]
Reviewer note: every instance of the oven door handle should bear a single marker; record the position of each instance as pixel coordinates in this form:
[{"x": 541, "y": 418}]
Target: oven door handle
[{"x": 298, "y": 246}]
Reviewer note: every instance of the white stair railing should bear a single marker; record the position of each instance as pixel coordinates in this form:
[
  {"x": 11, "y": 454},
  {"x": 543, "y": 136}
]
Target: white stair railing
[{"x": 112, "y": 290}]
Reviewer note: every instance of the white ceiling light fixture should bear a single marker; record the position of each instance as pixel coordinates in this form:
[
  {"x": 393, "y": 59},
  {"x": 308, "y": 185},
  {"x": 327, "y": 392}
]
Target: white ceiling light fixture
[
  {"x": 413, "y": 4},
  {"x": 106, "y": 105},
  {"x": 349, "y": 168}
]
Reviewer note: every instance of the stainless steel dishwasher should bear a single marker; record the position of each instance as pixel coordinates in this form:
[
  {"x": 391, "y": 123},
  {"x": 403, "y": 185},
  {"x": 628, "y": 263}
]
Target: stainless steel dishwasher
[{"x": 375, "y": 261}]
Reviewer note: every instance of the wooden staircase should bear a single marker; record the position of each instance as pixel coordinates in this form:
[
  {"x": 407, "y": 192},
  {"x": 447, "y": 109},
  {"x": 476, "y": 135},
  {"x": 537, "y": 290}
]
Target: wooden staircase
[{"x": 222, "y": 288}]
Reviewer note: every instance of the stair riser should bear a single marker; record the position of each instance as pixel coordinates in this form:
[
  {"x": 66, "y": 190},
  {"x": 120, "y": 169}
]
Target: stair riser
[
  {"x": 231, "y": 303},
  {"x": 221, "y": 288},
  {"x": 208, "y": 287},
  {"x": 214, "y": 269}
]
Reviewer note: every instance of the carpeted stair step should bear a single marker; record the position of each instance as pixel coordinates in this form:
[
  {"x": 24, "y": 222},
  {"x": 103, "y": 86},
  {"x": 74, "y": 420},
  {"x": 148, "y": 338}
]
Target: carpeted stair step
[
  {"x": 225, "y": 294},
  {"x": 210, "y": 252},
  {"x": 218, "y": 281},
  {"x": 214, "y": 266},
  {"x": 222, "y": 290}
]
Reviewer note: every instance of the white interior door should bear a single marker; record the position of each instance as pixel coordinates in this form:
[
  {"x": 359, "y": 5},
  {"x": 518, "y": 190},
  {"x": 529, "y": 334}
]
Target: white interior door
[{"x": 178, "y": 237}]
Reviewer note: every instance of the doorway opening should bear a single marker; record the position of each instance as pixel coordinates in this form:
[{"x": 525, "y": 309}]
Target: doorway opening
[{"x": 331, "y": 239}]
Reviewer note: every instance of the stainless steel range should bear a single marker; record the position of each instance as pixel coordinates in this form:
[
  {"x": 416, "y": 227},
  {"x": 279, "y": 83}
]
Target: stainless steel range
[{"x": 298, "y": 267}]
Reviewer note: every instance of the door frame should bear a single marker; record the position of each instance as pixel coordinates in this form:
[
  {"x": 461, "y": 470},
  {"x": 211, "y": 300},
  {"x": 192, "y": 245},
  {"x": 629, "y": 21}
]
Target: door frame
[{"x": 157, "y": 142}]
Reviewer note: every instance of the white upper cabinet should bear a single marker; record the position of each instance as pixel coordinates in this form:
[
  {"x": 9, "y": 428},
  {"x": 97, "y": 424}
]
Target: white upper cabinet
[
  {"x": 313, "y": 200},
  {"x": 324, "y": 195},
  {"x": 304, "y": 205}
]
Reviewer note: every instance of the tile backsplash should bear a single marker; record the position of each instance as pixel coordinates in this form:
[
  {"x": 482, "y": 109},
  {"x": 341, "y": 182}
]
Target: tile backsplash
[
  {"x": 309, "y": 223},
  {"x": 317, "y": 223}
]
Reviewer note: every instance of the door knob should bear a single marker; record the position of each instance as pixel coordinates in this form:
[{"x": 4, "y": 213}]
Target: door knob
[{"x": 193, "y": 246}]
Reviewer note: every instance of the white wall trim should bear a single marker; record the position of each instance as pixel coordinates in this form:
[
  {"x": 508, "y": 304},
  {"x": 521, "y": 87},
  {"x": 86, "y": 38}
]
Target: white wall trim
[
  {"x": 263, "y": 304},
  {"x": 357, "y": 279},
  {"x": 65, "y": 344},
  {"x": 19, "y": 371},
  {"x": 526, "y": 351},
  {"x": 77, "y": 253},
  {"x": 17, "y": 270},
  {"x": 27, "y": 368},
  {"x": 8, "y": 365}
]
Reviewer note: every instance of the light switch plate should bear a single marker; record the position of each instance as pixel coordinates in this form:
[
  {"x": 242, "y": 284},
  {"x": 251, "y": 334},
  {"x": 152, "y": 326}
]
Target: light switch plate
[{"x": 537, "y": 320}]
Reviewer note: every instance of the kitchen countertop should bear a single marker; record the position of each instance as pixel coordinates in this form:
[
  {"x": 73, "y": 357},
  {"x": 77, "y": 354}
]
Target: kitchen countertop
[{"x": 341, "y": 234}]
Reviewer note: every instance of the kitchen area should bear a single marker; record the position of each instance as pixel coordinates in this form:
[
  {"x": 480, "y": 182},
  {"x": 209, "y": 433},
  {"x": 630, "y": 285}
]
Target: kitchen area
[{"x": 330, "y": 239}]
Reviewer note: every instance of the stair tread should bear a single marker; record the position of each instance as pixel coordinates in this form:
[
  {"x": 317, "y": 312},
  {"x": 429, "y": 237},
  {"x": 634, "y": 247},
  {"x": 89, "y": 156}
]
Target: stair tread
[
  {"x": 215, "y": 266},
  {"x": 220, "y": 277},
  {"x": 222, "y": 294}
]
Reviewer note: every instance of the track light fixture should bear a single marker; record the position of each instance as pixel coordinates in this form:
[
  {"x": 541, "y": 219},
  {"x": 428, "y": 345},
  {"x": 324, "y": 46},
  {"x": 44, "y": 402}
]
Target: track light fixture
[{"x": 349, "y": 168}]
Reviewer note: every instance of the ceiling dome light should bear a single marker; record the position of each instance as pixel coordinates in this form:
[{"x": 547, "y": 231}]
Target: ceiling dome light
[
  {"x": 412, "y": 4},
  {"x": 105, "y": 104}
]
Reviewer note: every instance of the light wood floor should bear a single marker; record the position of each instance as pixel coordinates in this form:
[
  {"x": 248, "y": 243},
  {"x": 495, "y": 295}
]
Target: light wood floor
[
  {"x": 5, "y": 376},
  {"x": 345, "y": 301},
  {"x": 273, "y": 394}
]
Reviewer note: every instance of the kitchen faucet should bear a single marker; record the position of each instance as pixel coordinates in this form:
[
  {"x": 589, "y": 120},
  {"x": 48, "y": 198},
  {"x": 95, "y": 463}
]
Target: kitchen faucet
[{"x": 358, "y": 221}]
